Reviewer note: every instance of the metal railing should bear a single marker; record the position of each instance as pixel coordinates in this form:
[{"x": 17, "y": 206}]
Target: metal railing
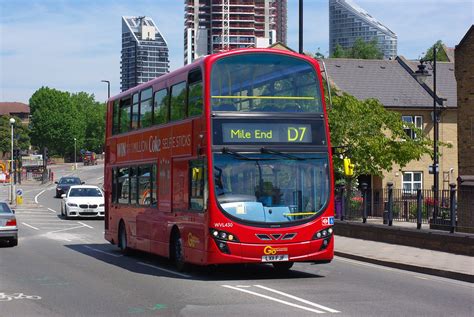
[{"x": 418, "y": 206}]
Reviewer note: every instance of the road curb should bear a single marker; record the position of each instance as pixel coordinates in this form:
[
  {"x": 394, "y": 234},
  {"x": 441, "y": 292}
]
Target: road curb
[{"x": 409, "y": 267}]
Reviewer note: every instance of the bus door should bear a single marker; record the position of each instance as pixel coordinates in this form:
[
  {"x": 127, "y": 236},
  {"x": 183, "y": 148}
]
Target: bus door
[{"x": 188, "y": 204}]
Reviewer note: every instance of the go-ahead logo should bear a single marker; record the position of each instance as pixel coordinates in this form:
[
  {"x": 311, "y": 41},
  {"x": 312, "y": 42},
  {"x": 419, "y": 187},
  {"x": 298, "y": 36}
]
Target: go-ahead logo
[{"x": 271, "y": 250}]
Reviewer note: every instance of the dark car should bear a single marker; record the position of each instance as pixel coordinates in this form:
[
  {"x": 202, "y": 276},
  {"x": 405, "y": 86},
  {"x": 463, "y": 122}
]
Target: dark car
[
  {"x": 8, "y": 227},
  {"x": 65, "y": 183}
]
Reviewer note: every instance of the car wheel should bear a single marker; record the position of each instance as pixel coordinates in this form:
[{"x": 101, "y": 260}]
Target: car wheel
[
  {"x": 122, "y": 239},
  {"x": 65, "y": 213},
  {"x": 282, "y": 267},
  {"x": 177, "y": 253}
]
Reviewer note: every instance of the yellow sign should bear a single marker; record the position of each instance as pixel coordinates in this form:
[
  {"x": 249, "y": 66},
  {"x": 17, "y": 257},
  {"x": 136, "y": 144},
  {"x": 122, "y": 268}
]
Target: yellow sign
[
  {"x": 271, "y": 250},
  {"x": 192, "y": 240},
  {"x": 348, "y": 167}
]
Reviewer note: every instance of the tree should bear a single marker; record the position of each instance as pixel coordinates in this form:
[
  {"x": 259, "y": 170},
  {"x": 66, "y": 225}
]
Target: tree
[
  {"x": 440, "y": 52},
  {"x": 373, "y": 137},
  {"x": 59, "y": 117},
  {"x": 359, "y": 50},
  {"x": 21, "y": 139},
  {"x": 339, "y": 52}
]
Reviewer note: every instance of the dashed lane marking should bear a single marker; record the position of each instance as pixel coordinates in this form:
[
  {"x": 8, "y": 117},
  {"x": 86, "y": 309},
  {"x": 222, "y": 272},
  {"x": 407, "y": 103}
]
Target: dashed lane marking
[
  {"x": 52, "y": 210},
  {"x": 85, "y": 225},
  {"x": 30, "y": 226},
  {"x": 66, "y": 229}
]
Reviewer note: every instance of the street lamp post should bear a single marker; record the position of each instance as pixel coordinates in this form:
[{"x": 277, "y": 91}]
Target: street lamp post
[
  {"x": 12, "y": 191},
  {"x": 421, "y": 75},
  {"x": 108, "y": 87},
  {"x": 75, "y": 163},
  {"x": 300, "y": 19}
]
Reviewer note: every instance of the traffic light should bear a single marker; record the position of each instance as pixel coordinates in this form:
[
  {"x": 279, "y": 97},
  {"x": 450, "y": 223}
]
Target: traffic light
[
  {"x": 348, "y": 167},
  {"x": 45, "y": 154}
]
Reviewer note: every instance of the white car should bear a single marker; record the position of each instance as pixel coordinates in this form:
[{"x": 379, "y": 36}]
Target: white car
[{"x": 83, "y": 201}]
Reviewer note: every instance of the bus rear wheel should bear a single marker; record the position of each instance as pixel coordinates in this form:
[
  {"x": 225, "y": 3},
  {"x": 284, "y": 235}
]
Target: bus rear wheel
[
  {"x": 177, "y": 253},
  {"x": 282, "y": 267},
  {"x": 122, "y": 239}
]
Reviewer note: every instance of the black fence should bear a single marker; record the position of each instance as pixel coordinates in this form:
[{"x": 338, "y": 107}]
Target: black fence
[{"x": 438, "y": 209}]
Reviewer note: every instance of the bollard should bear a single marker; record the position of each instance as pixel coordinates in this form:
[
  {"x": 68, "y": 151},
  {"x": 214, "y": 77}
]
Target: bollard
[
  {"x": 365, "y": 205},
  {"x": 419, "y": 205},
  {"x": 390, "y": 203},
  {"x": 452, "y": 206}
]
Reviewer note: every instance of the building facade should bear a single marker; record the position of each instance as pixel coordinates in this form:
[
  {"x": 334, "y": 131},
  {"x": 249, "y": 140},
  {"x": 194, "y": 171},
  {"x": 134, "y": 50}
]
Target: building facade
[
  {"x": 348, "y": 22},
  {"x": 144, "y": 52},
  {"x": 215, "y": 25}
]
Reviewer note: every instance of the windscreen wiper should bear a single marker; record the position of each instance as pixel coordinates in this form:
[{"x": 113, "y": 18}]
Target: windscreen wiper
[{"x": 268, "y": 151}]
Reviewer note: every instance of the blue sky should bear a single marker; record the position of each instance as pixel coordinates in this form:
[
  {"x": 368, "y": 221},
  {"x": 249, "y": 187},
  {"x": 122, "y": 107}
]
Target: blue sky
[{"x": 72, "y": 45}]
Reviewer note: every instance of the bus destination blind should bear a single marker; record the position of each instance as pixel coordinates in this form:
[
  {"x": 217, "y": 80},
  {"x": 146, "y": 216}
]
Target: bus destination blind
[{"x": 249, "y": 132}]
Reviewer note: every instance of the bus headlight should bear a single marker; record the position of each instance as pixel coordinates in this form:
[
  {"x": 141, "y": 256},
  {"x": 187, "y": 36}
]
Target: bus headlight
[
  {"x": 223, "y": 235},
  {"x": 324, "y": 234}
]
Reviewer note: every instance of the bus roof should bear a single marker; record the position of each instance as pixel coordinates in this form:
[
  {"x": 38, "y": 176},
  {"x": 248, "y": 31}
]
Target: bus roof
[{"x": 203, "y": 60}]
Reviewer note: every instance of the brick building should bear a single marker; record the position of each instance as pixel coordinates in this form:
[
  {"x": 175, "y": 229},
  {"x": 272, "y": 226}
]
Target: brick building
[{"x": 464, "y": 56}]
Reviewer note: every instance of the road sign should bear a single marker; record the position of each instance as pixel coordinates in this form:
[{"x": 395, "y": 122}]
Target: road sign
[{"x": 19, "y": 191}]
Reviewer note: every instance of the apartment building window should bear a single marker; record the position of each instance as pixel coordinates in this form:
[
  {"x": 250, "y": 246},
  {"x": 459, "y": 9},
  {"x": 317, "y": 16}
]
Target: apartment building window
[
  {"x": 417, "y": 121},
  {"x": 412, "y": 181}
]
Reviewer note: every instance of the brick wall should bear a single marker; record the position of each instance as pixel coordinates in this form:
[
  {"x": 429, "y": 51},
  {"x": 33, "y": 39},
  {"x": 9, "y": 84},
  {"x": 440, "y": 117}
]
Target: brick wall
[{"x": 464, "y": 72}]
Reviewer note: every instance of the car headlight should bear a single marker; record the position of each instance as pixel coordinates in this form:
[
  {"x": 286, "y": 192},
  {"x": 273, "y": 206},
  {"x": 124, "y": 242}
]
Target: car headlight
[
  {"x": 58, "y": 188},
  {"x": 72, "y": 204}
]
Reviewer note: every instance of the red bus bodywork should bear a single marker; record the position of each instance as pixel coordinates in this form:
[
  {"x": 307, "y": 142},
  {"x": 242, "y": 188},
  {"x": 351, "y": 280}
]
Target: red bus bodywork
[{"x": 171, "y": 146}]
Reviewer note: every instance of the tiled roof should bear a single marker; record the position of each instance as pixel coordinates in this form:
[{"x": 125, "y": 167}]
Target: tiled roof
[
  {"x": 445, "y": 80},
  {"x": 13, "y": 107},
  {"x": 385, "y": 80}
]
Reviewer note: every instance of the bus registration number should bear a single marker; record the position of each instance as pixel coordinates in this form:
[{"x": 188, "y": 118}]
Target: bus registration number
[{"x": 275, "y": 258}]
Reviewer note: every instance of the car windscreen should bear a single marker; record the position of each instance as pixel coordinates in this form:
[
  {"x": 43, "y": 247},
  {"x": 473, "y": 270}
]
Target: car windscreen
[
  {"x": 4, "y": 209},
  {"x": 71, "y": 181},
  {"x": 85, "y": 192}
]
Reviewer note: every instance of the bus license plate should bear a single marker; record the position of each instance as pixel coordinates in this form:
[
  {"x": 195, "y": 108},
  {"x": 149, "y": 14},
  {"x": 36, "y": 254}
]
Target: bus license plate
[{"x": 275, "y": 258}]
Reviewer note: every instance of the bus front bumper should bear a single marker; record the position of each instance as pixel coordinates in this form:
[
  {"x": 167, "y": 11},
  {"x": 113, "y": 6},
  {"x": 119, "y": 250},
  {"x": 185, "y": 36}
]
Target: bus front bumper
[{"x": 307, "y": 251}]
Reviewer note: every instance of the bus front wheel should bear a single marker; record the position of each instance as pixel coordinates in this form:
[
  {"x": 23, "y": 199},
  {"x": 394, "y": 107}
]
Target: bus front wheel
[{"x": 177, "y": 253}]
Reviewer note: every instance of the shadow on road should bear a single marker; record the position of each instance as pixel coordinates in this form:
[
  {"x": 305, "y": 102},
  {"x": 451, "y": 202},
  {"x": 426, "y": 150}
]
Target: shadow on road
[{"x": 145, "y": 263}]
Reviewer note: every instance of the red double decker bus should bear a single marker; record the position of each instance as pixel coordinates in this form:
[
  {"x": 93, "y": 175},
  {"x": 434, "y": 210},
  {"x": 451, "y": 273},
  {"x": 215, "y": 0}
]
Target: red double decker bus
[{"x": 226, "y": 160}]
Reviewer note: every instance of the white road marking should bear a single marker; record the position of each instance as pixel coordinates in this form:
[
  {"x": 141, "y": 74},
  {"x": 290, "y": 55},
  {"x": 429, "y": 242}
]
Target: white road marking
[
  {"x": 165, "y": 270},
  {"x": 52, "y": 210},
  {"x": 275, "y": 299},
  {"x": 85, "y": 225},
  {"x": 298, "y": 299},
  {"x": 65, "y": 229},
  {"x": 108, "y": 253},
  {"x": 36, "y": 197},
  {"x": 30, "y": 226},
  {"x": 100, "y": 178}
]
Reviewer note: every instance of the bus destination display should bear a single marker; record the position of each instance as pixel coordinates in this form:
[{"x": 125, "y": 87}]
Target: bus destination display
[{"x": 249, "y": 132}]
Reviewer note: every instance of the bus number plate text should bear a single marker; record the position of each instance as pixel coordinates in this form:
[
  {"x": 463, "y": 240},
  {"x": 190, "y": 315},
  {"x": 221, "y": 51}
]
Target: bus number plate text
[{"x": 275, "y": 258}]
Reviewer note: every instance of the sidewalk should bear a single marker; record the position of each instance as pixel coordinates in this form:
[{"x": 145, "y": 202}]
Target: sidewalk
[{"x": 454, "y": 266}]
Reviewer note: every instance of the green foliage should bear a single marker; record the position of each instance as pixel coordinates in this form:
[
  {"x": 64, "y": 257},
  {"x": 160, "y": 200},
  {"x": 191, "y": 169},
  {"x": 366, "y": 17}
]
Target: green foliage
[
  {"x": 440, "y": 52},
  {"x": 58, "y": 117},
  {"x": 360, "y": 50},
  {"x": 21, "y": 137},
  {"x": 373, "y": 137}
]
